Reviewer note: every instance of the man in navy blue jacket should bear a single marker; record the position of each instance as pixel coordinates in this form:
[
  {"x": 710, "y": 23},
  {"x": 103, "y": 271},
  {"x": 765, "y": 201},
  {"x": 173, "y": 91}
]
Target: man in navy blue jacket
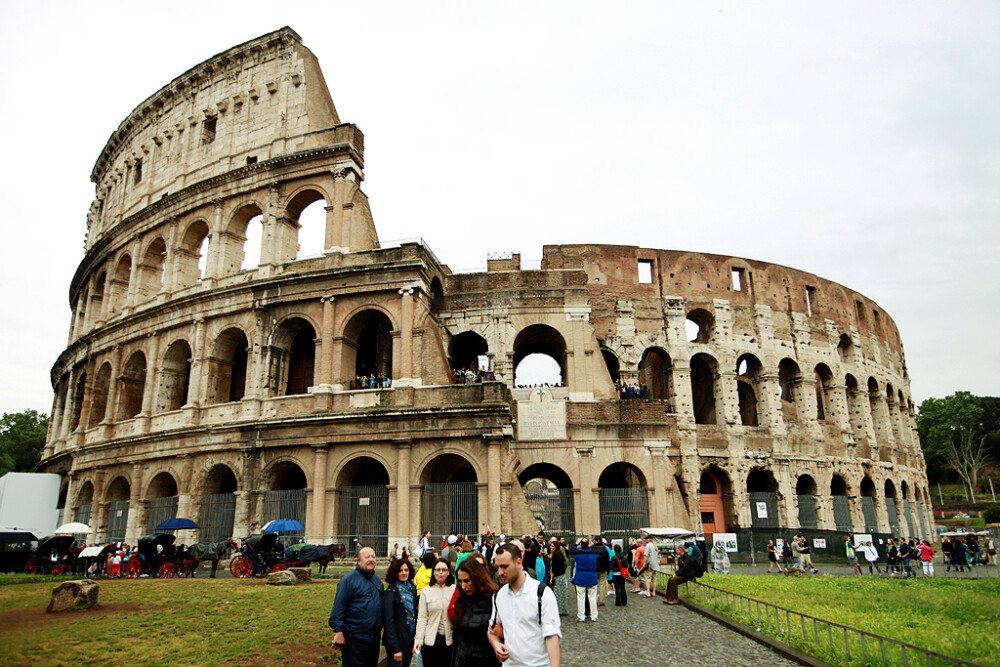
[
  {"x": 585, "y": 578},
  {"x": 356, "y": 616}
]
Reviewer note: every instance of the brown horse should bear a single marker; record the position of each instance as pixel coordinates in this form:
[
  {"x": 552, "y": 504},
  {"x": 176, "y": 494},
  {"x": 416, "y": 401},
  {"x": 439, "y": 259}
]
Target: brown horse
[
  {"x": 213, "y": 551},
  {"x": 336, "y": 551}
]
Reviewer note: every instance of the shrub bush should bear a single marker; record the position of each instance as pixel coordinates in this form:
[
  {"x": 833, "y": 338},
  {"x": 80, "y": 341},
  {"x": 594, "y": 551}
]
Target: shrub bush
[{"x": 992, "y": 513}]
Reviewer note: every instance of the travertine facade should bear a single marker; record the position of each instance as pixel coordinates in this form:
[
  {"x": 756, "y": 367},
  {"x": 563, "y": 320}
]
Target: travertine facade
[{"x": 195, "y": 385}]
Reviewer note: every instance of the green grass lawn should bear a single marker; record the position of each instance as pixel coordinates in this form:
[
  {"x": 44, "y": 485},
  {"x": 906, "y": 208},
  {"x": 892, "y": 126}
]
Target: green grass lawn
[
  {"x": 171, "y": 622},
  {"x": 959, "y": 618}
]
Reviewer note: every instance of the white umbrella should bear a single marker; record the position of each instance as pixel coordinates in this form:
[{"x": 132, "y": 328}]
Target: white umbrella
[{"x": 75, "y": 528}]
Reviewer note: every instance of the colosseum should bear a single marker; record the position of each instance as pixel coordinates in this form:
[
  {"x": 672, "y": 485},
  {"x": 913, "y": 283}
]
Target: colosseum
[{"x": 211, "y": 378}]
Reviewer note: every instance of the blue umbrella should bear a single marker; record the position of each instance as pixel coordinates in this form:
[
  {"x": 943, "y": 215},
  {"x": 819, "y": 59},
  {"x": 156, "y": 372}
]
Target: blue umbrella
[
  {"x": 283, "y": 526},
  {"x": 177, "y": 524}
]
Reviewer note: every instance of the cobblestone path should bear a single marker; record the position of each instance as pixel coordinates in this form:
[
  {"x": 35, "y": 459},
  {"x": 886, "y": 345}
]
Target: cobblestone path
[{"x": 648, "y": 633}]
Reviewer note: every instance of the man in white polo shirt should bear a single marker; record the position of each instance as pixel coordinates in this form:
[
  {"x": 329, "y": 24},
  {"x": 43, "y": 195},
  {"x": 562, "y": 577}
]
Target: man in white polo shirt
[{"x": 524, "y": 627}]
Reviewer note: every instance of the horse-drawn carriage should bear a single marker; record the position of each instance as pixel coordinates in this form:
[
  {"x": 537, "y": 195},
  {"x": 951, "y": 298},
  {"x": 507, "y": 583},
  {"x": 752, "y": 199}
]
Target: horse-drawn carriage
[
  {"x": 155, "y": 557},
  {"x": 54, "y": 555},
  {"x": 15, "y": 549},
  {"x": 258, "y": 556}
]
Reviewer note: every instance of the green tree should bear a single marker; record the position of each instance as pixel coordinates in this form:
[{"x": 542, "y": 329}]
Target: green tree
[
  {"x": 22, "y": 437},
  {"x": 951, "y": 433}
]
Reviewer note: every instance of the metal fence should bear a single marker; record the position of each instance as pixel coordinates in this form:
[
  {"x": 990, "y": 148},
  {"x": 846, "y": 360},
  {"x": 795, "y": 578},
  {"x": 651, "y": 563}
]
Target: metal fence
[
  {"x": 286, "y": 504},
  {"x": 807, "y": 511},
  {"x": 909, "y": 518},
  {"x": 364, "y": 516},
  {"x": 117, "y": 520},
  {"x": 842, "y": 641},
  {"x": 553, "y": 510},
  {"x": 218, "y": 510},
  {"x": 764, "y": 509},
  {"x": 842, "y": 514},
  {"x": 890, "y": 507},
  {"x": 160, "y": 510},
  {"x": 623, "y": 511},
  {"x": 450, "y": 508},
  {"x": 83, "y": 514},
  {"x": 868, "y": 512}
]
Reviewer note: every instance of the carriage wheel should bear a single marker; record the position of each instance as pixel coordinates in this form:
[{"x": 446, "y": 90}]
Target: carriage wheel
[
  {"x": 31, "y": 566},
  {"x": 133, "y": 568},
  {"x": 241, "y": 567},
  {"x": 279, "y": 567},
  {"x": 58, "y": 569},
  {"x": 167, "y": 571}
]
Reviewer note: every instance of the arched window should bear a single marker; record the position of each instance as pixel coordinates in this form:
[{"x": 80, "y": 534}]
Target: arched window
[
  {"x": 99, "y": 399},
  {"x": 132, "y": 386},
  {"x": 227, "y": 367},
  {"x": 244, "y": 239},
  {"x": 308, "y": 210},
  {"x": 119, "y": 284},
  {"x": 549, "y": 493},
  {"x": 296, "y": 339},
  {"x": 763, "y": 492},
  {"x": 540, "y": 357},
  {"x": 467, "y": 351},
  {"x": 789, "y": 379},
  {"x": 175, "y": 377},
  {"x": 841, "y": 504},
  {"x": 703, "y": 380},
  {"x": 369, "y": 348},
  {"x": 748, "y": 373},
  {"x": 151, "y": 270},
  {"x": 450, "y": 501},
  {"x": 192, "y": 254},
  {"x": 824, "y": 392},
  {"x": 699, "y": 326},
  {"x": 655, "y": 372},
  {"x": 715, "y": 491},
  {"x": 611, "y": 363},
  {"x": 624, "y": 502},
  {"x": 805, "y": 491},
  {"x": 286, "y": 498},
  {"x": 162, "y": 496},
  {"x": 218, "y": 504},
  {"x": 79, "y": 390}
]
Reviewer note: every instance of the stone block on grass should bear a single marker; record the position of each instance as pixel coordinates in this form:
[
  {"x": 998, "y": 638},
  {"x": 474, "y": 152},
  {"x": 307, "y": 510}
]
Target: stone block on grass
[
  {"x": 283, "y": 578},
  {"x": 301, "y": 573},
  {"x": 69, "y": 594}
]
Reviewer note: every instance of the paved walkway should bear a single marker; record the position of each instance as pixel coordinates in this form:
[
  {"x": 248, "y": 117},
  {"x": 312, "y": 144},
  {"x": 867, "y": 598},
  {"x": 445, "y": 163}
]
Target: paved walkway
[{"x": 648, "y": 633}]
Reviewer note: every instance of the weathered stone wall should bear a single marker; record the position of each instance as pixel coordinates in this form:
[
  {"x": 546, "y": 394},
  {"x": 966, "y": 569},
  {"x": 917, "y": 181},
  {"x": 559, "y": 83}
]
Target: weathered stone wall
[{"x": 187, "y": 376}]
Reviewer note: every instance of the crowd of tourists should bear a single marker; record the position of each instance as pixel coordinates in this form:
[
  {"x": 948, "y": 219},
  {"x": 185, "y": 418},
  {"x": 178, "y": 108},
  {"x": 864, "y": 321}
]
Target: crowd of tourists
[
  {"x": 373, "y": 381},
  {"x": 465, "y": 602},
  {"x": 469, "y": 376},
  {"x": 631, "y": 391}
]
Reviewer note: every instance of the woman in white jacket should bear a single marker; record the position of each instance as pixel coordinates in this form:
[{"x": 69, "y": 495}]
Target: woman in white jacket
[
  {"x": 433, "y": 625},
  {"x": 871, "y": 555}
]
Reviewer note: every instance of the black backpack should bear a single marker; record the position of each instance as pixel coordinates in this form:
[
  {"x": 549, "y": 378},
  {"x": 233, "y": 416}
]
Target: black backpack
[{"x": 603, "y": 560}]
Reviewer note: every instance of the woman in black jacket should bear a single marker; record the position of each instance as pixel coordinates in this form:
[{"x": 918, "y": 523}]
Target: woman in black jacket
[
  {"x": 399, "y": 612},
  {"x": 558, "y": 559},
  {"x": 473, "y": 608}
]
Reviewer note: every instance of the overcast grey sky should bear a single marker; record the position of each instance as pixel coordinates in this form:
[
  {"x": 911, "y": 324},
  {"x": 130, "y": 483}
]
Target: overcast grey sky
[{"x": 859, "y": 141}]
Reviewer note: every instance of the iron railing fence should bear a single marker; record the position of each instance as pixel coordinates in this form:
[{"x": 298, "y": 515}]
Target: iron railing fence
[
  {"x": 83, "y": 513},
  {"x": 218, "y": 510},
  {"x": 286, "y": 504},
  {"x": 623, "y": 511},
  {"x": 117, "y": 520},
  {"x": 451, "y": 507},
  {"x": 160, "y": 510},
  {"x": 553, "y": 510},
  {"x": 842, "y": 641},
  {"x": 364, "y": 518}
]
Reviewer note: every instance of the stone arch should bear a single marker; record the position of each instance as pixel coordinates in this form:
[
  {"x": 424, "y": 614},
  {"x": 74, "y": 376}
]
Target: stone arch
[
  {"x": 97, "y": 298},
  {"x": 805, "y": 493},
  {"x": 762, "y": 490},
  {"x": 117, "y": 496},
  {"x": 363, "y": 505},
  {"x": 84, "y": 502},
  {"x": 548, "y": 490},
  {"x": 704, "y": 388},
  {"x": 867, "y": 490},
  {"x": 220, "y": 478},
  {"x": 715, "y": 499},
  {"x": 612, "y": 364},
  {"x": 436, "y": 295},
  {"x": 132, "y": 386},
  {"x": 175, "y": 377},
  {"x": 227, "y": 366},
  {"x": 541, "y": 339},
  {"x": 293, "y": 356},
  {"x": 190, "y": 256},
  {"x": 310, "y": 229},
  {"x": 119, "y": 283},
  {"x": 824, "y": 392},
  {"x": 450, "y": 499},
  {"x": 162, "y": 485},
  {"x": 839, "y": 492},
  {"x": 748, "y": 383},
  {"x": 892, "y": 509},
  {"x": 879, "y": 409},
  {"x": 700, "y": 325},
  {"x": 79, "y": 391},
  {"x": 119, "y": 489},
  {"x": 152, "y": 269},
  {"x": 99, "y": 397},
  {"x": 286, "y": 474},
  {"x": 285, "y": 497},
  {"x": 235, "y": 257},
  {"x": 368, "y": 345},
  {"x": 623, "y": 499},
  {"x": 464, "y": 350},
  {"x": 845, "y": 347},
  {"x": 789, "y": 381},
  {"x": 655, "y": 372}
]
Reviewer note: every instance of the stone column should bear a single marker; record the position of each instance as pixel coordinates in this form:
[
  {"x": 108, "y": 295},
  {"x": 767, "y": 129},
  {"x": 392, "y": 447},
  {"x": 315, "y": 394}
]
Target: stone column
[
  {"x": 215, "y": 262},
  {"x": 88, "y": 395},
  {"x": 404, "y": 527},
  {"x": 316, "y": 530},
  {"x": 769, "y": 399},
  {"x": 149, "y": 389},
  {"x": 241, "y": 520},
  {"x": 199, "y": 371},
  {"x": 405, "y": 339},
  {"x": 727, "y": 403},
  {"x": 590, "y": 522},
  {"x": 133, "y": 279},
  {"x": 325, "y": 378},
  {"x": 67, "y": 416},
  {"x": 494, "y": 471},
  {"x": 658, "y": 514}
]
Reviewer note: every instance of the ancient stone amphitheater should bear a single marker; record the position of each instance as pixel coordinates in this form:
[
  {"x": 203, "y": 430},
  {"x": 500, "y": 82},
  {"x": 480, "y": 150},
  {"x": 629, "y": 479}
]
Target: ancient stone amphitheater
[{"x": 202, "y": 382}]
